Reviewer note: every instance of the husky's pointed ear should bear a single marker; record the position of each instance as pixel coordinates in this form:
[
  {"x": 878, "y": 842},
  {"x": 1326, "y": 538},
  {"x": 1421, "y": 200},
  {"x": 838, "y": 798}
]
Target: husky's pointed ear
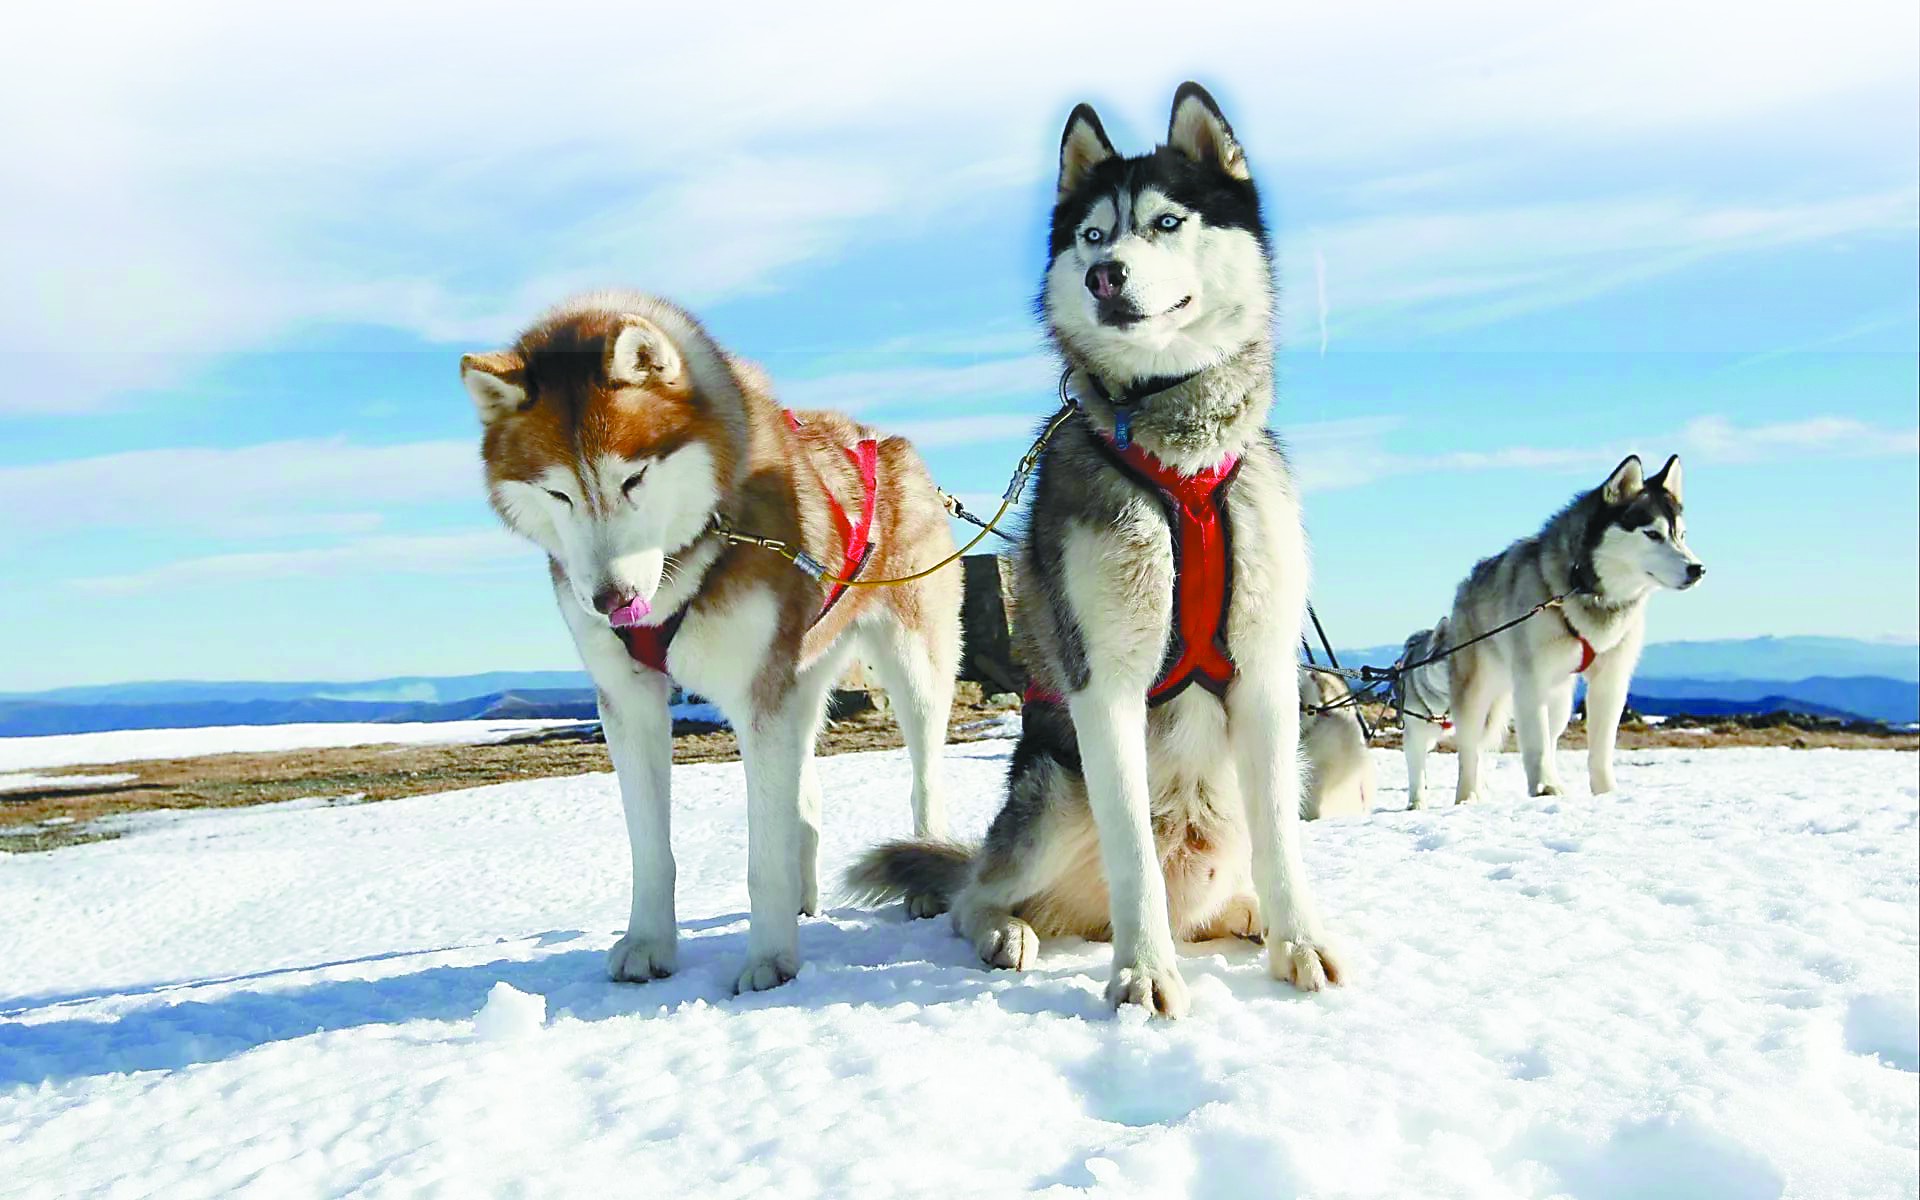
[
  {"x": 1667, "y": 479},
  {"x": 642, "y": 353},
  {"x": 1083, "y": 147},
  {"x": 1625, "y": 483},
  {"x": 1198, "y": 131},
  {"x": 497, "y": 383}
]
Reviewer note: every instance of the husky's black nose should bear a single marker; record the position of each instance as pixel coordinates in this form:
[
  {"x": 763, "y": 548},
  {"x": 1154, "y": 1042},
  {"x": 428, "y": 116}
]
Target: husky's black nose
[
  {"x": 609, "y": 598},
  {"x": 1694, "y": 572},
  {"x": 1106, "y": 279}
]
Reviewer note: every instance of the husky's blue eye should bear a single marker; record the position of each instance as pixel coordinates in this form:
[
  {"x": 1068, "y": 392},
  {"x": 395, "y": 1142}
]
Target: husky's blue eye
[
  {"x": 1655, "y": 535},
  {"x": 1169, "y": 222},
  {"x": 1093, "y": 235}
]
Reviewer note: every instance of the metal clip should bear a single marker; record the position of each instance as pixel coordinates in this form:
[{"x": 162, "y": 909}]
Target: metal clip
[{"x": 811, "y": 565}]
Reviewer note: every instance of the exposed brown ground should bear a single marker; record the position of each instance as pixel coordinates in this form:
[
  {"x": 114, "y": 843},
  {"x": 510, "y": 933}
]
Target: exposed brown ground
[{"x": 367, "y": 773}]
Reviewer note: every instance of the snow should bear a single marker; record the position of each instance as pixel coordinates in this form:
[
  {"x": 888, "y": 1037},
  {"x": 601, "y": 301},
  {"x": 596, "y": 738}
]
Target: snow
[
  {"x": 1703, "y": 985},
  {"x": 128, "y": 745},
  {"x": 29, "y": 781}
]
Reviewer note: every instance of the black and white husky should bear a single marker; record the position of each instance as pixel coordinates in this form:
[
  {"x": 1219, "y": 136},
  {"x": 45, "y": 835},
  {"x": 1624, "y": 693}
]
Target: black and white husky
[
  {"x": 1606, "y": 552},
  {"x": 1155, "y": 791}
]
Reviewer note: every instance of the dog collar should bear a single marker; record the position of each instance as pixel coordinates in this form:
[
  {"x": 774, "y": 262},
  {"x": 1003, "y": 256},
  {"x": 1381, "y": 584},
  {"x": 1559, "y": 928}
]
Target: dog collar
[{"x": 1131, "y": 395}]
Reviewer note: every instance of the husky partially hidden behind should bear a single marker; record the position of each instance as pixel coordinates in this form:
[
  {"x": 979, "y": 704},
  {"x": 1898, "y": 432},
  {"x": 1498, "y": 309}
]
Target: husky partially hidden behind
[
  {"x": 1605, "y": 553},
  {"x": 1339, "y": 769},
  {"x": 1422, "y": 699},
  {"x": 1159, "y": 590},
  {"x": 620, "y": 439}
]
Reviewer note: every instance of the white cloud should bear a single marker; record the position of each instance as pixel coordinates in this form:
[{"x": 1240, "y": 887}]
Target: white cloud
[
  {"x": 1438, "y": 271},
  {"x": 1720, "y": 439},
  {"x": 1332, "y": 455},
  {"x": 186, "y": 178},
  {"x": 276, "y": 488},
  {"x": 422, "y": 554},
  {"x": 864, "y": 391},
  {"x": 967, "y": 431}
]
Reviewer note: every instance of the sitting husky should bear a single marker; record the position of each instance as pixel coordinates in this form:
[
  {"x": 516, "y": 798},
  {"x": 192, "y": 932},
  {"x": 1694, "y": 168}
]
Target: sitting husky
[
  {"x": 1605, "y": 552},
  {"x": 1158, "y": 595},
  {"x": 620, "y": 439},
  {"x": 1339, "y": 769},
  {"x": 1422, "y": 700}
]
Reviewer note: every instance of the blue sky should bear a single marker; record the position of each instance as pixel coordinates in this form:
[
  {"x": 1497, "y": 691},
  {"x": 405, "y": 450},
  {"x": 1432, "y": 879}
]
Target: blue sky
[{"x": 244, "y": 252}]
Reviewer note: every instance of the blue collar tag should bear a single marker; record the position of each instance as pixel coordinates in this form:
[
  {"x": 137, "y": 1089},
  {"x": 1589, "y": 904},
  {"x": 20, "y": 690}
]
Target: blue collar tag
[{"x": 1122, "y": 428}]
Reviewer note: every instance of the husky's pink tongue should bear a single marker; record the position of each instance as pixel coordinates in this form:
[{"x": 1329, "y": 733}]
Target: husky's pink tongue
[{"x": 629, "y": 614}]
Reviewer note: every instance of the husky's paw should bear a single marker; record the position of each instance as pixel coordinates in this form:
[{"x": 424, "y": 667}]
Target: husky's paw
[
  {"x": 765, "y": 972},
  {"x": 810, "y": 901},
  {"x": 1306, "y": 965},
  {"x": 1009, "y": 943},
  {"x": 636, "y": 959},
  {"x": 1416, "y": 801},
  {"x": 927, "y": 905},
  {"x": 1549, "y": 787},
  {"x": 1600, "y": 782},
  {"x": 1239, "y": 919},
  {"x": 1159, "y": 990}
]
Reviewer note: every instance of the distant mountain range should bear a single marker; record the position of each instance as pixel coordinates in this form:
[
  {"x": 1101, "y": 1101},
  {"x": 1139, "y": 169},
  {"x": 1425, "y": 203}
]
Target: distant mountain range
[{"x": 1822, "y": 676}]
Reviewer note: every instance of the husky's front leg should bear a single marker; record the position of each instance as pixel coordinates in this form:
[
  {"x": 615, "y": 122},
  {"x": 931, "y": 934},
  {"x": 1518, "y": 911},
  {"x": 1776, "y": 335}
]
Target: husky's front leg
[
  {"x": 772, "y": 748},
  {"x": 1607, "y": 682},
  {"x": 639, "y": 733},
  {"x": 1111, "y": 723},
  {"x": 1263, "y": 723}
]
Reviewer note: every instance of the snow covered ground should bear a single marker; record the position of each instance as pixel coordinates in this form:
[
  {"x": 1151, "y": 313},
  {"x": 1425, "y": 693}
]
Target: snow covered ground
[
  {"x": 71, "y": 749},
  {"x": 1702, "y": 986}
]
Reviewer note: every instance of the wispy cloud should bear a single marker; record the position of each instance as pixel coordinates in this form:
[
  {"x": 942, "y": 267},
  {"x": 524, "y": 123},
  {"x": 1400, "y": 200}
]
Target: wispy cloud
[
  {"x": 204, "y": 190},
  {"x": 274, "y": 489},
  {"x": 1333, "y": 455},
  {"x": 1441, "y": 271},
  {"x": 892, "y": 387},
  {"x": 1719, "y": 439},
  {"x": 967, "y": 431},
  {"x": 481, "y": 551}
]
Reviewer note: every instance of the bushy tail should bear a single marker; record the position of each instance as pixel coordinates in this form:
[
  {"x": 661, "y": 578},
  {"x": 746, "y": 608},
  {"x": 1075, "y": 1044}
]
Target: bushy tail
[{"x": 898, "y": 869}]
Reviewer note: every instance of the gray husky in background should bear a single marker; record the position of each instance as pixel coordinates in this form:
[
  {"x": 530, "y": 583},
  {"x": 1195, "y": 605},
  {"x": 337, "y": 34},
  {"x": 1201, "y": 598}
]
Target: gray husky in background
[
  {"x": 1421, "y": 697},
  {"x": 1134, "y": 817},
  {"x": 1606, "y": 553}
]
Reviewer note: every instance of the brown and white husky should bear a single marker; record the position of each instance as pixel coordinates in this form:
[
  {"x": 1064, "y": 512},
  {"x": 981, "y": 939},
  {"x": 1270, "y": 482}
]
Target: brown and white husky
[{"x": 619, "y": 437}]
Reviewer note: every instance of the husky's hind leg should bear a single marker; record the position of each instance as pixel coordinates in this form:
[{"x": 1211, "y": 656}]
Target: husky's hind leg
[
  {"x": 1474, "y": 701},
  {"x": 1039, "y": 866},
  {"x": 1531, "y": 726},
  {"x": 917, "y": 671},
  {"x": 1417, "y": 737},
  {"x": 917, "y": 668}
]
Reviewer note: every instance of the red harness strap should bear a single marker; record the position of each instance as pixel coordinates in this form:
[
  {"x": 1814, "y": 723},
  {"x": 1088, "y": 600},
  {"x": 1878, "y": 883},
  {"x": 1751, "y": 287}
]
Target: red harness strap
[
  {"x": 648, "y": 644},
  {"x": 1586, "y": 647},
  {"x": 1586, "y": 653},
  {"x": 1197, "y": 651}
]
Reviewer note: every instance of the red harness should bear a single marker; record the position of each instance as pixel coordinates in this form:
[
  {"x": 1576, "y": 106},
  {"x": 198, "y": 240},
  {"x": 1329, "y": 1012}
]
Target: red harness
[
  {"x": 1196, "y": 504},
  {"x": 648, "y": 644}
]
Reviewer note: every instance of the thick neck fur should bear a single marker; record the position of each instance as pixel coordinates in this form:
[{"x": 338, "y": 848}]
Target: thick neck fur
[
  {"x": 1596, "y": 604},
  {"x": 1193, "y": 425}
]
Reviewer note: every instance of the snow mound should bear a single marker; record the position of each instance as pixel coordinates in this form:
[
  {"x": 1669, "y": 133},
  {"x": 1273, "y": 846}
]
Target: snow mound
[
  {"x": 509, "y": 1014},
  {"x": 1702, "y": 985}
]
